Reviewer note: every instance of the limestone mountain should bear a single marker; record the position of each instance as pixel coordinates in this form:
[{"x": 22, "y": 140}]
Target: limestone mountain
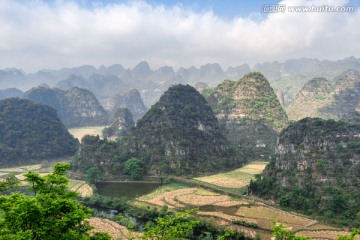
[
  {"x": 131, "y": 100},
  {"x": 246, "y": 106},
  {"x": 251, "y": 97},
  {"x": 179, "y": 135},
  {"x": 121, "y": 123},
  {"x": 76, "y": 107},
  {"x": 316, "y": 170},
  {"x": 346, "y": 98},
  {"x": 31, "y": 132},
  {"x": 314, "y": 95},
  {"x": 319, "y": 98}
]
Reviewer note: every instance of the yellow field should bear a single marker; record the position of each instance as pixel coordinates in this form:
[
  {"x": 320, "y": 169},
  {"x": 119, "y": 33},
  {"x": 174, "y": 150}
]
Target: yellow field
[
  {"x": 79, "y": 133},
  {"x": 115, "y": 230},
  {"x": 80, "y": 187},
  {"x": 235, "y": 179}
]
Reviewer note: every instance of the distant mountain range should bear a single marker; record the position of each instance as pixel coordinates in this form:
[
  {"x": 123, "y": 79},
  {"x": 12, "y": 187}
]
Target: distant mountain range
[{"x": 105, "y": 82}]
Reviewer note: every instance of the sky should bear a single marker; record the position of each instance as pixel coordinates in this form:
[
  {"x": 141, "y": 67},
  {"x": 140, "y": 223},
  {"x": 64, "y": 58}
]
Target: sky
[{"x": 43, "y": 34}]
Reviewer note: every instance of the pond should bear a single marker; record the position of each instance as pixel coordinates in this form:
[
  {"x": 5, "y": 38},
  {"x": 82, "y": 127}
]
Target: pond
[{"x": 130, "y": 189}]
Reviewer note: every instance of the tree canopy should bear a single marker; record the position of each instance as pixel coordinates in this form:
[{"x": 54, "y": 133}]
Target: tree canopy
[{"x": 48, "y": 212}]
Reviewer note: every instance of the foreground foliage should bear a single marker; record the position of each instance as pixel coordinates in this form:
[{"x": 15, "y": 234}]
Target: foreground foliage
[{"x": 48, "y": 212}]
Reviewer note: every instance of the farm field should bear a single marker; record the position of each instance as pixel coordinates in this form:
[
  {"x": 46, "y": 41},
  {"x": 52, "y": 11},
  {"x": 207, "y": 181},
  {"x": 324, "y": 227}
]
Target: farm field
[
  {"x": 79, "y": 133},
  {"x": 115, "y": 230},
  {"x": 224, "y": 210},
  {"x": 235, "y": 179},
  {"x": 78, "y": 186}
]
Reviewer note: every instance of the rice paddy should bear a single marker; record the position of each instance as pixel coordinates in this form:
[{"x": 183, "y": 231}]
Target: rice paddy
[{"x": 235, "y": 179}]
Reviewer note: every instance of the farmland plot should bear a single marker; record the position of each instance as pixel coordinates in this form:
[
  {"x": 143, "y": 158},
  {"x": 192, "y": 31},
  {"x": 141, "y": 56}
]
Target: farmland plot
[
  {"x": 79, "y": 133},
  {"x": 235, "y": 179}
]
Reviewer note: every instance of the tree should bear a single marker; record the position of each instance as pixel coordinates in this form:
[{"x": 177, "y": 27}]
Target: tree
[
  {"x": 48, "y": 212},
  {"x": 93, "y": 174},
  {"x": 134, "y": 168},
  {"x": 281, "y": 233},
  {"x": 178, "y": 226},
  {"x": 8, "y": 183}
]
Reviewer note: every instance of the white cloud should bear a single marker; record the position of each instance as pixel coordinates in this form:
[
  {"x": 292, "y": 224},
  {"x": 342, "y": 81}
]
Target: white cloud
[{"x": 36, "y": 35}]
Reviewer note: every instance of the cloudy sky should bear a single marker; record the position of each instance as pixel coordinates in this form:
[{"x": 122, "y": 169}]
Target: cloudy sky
[{"x": 53, "y": 34}]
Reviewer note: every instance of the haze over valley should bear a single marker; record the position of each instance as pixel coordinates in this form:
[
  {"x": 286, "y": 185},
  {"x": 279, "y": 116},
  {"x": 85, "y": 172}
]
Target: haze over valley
[{"x": 179, "y": 120}]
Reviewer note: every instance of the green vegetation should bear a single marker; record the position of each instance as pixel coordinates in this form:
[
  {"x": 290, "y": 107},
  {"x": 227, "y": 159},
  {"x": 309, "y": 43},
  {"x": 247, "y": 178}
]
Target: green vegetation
[
  {"x": 177, "y": 226},
  {"x": 134, "y": 167},
  {"x": 251, "y": 96},
  {"x": 122, "y": 122},
  {"x": 76, "y": 107},
  {"x": 245, "y": 224},
  {"x": 251, "y": 114},
  {"x": 48, "y": 212},
  {"x": 179, "y": 135},
  {"x": 281, "y": 233},
  {"x": 323, "y": 181},
  {"x": 30, "y": 132}
]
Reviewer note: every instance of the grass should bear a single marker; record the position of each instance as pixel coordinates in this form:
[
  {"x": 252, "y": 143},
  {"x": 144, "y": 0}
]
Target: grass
[
  {"x": 79, "y": 133},
  {"x": 235, "y": 179}
]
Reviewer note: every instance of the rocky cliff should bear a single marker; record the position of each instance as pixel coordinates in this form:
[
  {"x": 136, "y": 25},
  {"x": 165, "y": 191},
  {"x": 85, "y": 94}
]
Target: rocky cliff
[
  {"x": 346, "y": 98},
  {"x": 181, "y": 135},
  {"x": 316, "y": 170},
  {"x": 250, "y": 111},
  {"x": 131, "y": 100},
  {"x": 121, "y": 123},
  {"x": 76, "y": 107},
  {"x": 314, "y": 95},
  {"x": 31, "y": 132},
  {"x": 318, "y": 98}
]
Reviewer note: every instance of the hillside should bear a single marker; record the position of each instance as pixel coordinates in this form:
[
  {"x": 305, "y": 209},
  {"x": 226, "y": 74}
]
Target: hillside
[
  {"x": 121, "y": 123},
  {"x": 346, "y": 98},
  {"x": 10, "y": 93},
  {"x": 131, "y": 100},
  {"x": 314, "y": 95},
  {"x": 316, "y": 170},
  {"x": 76, "y": 107},
  {"x": 250, "y": 111},
  {"x": 30, "y": 132},
  {"x": 251, "y": 97},
  {"x": 318, "y": 98},
  {"x": 179, "y": 135}
]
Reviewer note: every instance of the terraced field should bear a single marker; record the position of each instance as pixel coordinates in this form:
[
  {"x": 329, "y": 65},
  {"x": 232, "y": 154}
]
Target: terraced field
[
  {"x": 223, "y": 210},
  {"x": 235, "y": 179},
  {"x": 115, "y": 230},
  {"x": 79, "y": 133}
]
